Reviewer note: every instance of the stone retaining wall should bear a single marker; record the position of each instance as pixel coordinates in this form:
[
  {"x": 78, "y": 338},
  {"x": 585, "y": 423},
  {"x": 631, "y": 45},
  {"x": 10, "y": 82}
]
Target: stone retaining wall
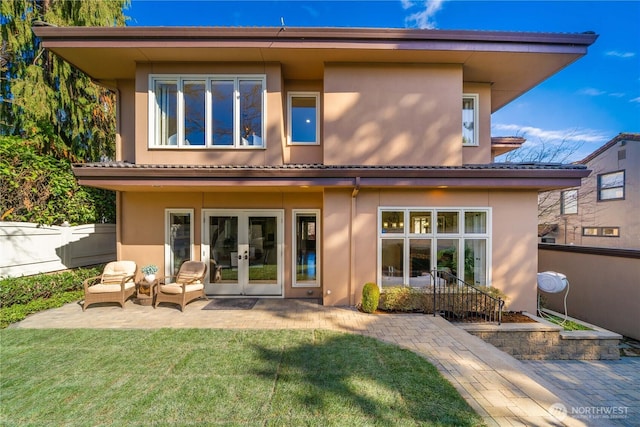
[{"x": 543, "y": 340}]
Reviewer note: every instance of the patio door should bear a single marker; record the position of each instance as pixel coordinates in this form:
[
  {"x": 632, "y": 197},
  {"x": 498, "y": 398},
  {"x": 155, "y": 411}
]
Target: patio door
[{"x": 246, "y": 246}]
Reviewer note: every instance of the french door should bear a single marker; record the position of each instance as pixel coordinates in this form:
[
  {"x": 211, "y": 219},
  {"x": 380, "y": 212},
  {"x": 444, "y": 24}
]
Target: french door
[{"x": 245, "y": 247}]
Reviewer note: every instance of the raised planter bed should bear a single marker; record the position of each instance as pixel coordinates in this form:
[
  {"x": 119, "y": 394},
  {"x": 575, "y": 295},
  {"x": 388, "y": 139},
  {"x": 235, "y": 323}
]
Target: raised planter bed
[{"x": 543, "y": 340}]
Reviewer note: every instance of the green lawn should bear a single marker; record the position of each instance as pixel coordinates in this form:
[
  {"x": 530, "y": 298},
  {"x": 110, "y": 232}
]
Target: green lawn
[{"x": 218, "y": 377}]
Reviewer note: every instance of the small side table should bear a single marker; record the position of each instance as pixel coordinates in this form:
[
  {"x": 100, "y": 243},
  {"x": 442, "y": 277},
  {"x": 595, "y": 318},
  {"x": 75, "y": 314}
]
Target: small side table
[{"x": 146, "y": 292}]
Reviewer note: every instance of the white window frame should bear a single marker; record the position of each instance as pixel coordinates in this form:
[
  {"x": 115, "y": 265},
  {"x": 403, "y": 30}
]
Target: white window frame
[
  {"x": 208, "y": 79},
  {"x": 290, "y": 96},
  {"x": 476, "y": 124},
  {"x": 167, "y": 238},
  {"x": 434, "y": 235},
  {"x": 569, "y": 198},
  {"x": 294, "y": 245}
]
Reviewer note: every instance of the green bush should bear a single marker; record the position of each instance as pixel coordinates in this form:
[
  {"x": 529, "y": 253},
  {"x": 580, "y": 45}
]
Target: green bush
[
  {"x": 41, "y": 189},
  {"x": 18, "y": 312},
  {"x": 25, "y": 289},
  {"x": 405, "y": 299},
  {"x": 370, "y": 297}
]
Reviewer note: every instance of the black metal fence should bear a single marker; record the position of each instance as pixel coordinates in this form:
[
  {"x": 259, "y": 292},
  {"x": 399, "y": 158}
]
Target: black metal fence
[{"x": 456, "y": 300}]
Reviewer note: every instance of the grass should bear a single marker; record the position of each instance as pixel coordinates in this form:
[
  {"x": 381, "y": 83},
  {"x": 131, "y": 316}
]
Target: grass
[
  {"x": 568, "y": 325},
  {"x": 219, "y": 377}
]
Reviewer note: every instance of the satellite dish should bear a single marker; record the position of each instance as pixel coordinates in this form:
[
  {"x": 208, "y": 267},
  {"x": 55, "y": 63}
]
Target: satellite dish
[{"x": 552, "y": 282}]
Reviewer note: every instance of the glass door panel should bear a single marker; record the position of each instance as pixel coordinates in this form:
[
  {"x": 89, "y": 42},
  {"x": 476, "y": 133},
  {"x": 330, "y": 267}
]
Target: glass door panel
[
  {"x": 180, "y": 241},
  {"x": 420, "y": 257},
  {"x": 245, "y": 249},
  {"x": 263, "y": 256}
]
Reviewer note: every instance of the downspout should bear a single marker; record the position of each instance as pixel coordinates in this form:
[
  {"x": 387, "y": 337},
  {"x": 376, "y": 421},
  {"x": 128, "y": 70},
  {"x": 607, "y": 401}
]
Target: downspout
[
  {"x": 118, "y": 154},
  {"x": 352, "y": 248}
]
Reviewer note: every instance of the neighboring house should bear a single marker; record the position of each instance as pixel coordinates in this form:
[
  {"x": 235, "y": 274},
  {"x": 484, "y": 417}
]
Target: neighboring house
[
  {"x": 306, "y": 162},
  {"x": 604, "y": 211}
]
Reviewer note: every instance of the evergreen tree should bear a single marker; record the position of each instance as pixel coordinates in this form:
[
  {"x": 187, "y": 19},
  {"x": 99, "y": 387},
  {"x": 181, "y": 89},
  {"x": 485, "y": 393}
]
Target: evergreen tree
[{"x": 45, "y": 99}]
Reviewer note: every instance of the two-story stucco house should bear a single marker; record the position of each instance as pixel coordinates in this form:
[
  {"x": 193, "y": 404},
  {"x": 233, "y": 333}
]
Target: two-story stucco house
[{"x": 306, "y": 162}]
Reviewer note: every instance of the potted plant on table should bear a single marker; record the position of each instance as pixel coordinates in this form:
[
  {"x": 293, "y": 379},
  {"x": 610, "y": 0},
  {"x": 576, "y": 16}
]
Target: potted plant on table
[{"x": 149, "y": 272}]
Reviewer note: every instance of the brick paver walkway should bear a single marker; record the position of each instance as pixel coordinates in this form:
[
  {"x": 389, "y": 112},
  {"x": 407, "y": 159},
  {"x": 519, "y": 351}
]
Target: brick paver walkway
[{"x": 503, "y": 390}]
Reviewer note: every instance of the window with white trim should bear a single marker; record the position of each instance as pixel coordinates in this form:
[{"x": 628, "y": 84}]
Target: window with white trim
[
  {"x": 306, "y": 248},
  {"x": 569, "y": 202},
  {"x": 412, "y": 242},
  {"x": 199, "y": 111},
  {"x": 470, "y": 119},
  {"x": 611, "y": 186},
  {"x": 303, "y": 116},
  {"x": 178, "y": 243}
]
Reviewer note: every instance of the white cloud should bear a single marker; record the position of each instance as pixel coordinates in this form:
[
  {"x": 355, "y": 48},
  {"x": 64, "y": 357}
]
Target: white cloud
[
  {"x": 617, "y": 94},
  {"x": 618, "y": 54},
  {"x": 591, "y": 91},
  {"x": 406, "y": 4},
  {"x": 635, "y": 100},
  {"x": 424, "y": 18},
  {"x": 533, "y": 134}
]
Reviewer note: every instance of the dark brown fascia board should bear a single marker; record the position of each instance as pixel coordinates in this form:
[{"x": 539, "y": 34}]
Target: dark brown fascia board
[
  {"x": 331, "y": 177},
  {"x": 90, "y": 35}
]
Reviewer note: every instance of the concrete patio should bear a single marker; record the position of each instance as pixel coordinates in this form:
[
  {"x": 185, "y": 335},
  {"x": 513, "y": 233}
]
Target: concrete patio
[{"x": 503, "y": 390}]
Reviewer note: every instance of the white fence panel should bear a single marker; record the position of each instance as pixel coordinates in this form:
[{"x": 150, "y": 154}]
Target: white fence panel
[{"x": 27, "y": 248}]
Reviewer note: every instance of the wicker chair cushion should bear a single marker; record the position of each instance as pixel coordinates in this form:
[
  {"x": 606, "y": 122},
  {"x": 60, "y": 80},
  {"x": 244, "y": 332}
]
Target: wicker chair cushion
[
  {"x": 191, "y": 271},
  {"x": 102, "y": 288},
  {"x": 174, "y": 288},
  {"x": 115, "y": 271}
]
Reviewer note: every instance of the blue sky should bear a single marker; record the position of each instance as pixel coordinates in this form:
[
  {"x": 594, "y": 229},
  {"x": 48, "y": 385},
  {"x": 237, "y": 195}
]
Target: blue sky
[{"x": 586, "y": 104}]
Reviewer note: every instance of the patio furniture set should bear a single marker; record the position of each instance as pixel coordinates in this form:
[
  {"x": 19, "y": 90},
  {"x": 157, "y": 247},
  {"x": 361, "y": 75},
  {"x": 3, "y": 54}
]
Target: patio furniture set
[{"x": 117, "y": 283}]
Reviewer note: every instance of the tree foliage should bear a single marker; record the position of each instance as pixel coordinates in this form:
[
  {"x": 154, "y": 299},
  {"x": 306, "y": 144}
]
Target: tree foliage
[
  {"x": 41, "y": 189},
  {"x": 45, "y": 99}
]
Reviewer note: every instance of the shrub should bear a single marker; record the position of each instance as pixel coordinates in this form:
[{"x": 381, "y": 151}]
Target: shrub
[
  {"x": 405, "y": 299},
  {"x": 24, "y": 289},
  {"x": 370, "y": 297},
  {"x": 18, "y": 312}
]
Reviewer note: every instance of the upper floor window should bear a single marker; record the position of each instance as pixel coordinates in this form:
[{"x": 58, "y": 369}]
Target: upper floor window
[
  {"x": 206, "y": 111},
  {"x": 611, "y": 186},
  {"x": 569, "y": 202},
  {"x": 303, "y": 118},
  {"x": 470, "y": 119}
]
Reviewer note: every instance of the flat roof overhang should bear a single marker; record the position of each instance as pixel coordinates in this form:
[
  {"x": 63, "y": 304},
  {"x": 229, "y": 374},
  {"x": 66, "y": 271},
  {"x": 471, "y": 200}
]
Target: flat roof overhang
[
  {"x": 136, "y": 178},
  {"x": 512, "y": 62}
]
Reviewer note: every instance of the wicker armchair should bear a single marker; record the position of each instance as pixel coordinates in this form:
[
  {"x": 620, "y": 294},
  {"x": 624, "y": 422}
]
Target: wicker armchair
[
  {"x": 115, "y": 284},
  {"x": 187, "y": 286}
]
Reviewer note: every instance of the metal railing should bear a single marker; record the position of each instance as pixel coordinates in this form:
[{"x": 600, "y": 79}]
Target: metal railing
[{"x": 456, "y": 300}]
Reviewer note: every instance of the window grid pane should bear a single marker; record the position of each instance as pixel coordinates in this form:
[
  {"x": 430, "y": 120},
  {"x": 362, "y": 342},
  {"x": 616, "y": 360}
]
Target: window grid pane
[
  {"x": 303, "y": 119},
  {"x": 194, "y": 112},
  {"x": 251, "y": 112},
  {"x": 222, "y": 112},
  {"x": 392, "y": 262},
  {"x": 179, "y": 240},
  {"x": 468, "y": 121},
  {"x": 166, "y": 112}
]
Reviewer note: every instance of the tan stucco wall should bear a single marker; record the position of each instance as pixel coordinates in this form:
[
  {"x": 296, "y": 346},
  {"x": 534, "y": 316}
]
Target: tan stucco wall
[
  {"x": 125, "y": 121},
  {"x": 603, "y": 290},
  {"x": 370, "y": 114},
  {"x": 142, "y": 224},
  {"x": 391, "y": 115},
  {"x": 349, "y": 233}
]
